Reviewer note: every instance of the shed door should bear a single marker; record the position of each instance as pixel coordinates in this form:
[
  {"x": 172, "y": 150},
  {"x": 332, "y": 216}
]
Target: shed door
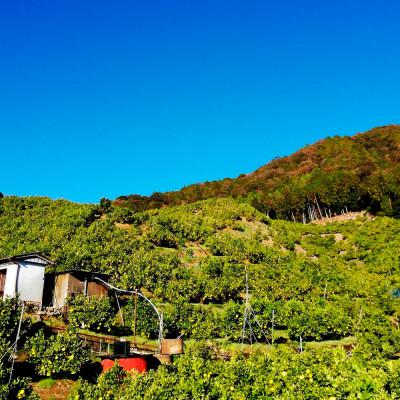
[
  {"x": 96, "y": 290},
  {"x": 3, "y": 274}
]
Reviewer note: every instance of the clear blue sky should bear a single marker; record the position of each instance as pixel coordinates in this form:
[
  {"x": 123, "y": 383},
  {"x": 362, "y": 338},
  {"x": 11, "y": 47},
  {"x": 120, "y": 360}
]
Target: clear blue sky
[{"x": 104, "y": 98}]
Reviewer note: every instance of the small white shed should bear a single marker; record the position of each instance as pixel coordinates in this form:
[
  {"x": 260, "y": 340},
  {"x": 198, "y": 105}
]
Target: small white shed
[{"x": 24, "y": 276}]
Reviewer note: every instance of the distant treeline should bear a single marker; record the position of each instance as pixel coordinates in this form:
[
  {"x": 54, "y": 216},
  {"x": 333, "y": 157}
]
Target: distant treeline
[{"x": 335, "y": 174}]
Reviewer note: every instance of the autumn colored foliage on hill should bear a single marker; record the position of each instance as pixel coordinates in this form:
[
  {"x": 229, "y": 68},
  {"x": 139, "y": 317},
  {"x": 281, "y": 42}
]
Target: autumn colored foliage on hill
[{"x": 361, "y": 172}]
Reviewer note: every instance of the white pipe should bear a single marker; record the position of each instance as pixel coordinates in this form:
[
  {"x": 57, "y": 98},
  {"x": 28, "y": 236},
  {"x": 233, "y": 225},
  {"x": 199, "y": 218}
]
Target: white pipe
[{"x": 160, "y": 319}]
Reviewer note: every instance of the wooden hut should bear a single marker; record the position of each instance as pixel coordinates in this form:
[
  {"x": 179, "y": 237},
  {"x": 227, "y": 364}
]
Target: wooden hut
[{"x": 60, "y": 286}]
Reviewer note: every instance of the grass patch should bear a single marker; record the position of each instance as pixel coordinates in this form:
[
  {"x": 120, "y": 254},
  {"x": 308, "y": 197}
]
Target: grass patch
[
  {"x": 346, "y": 341},
  {"x": 53, "y": 322},
  {"x": 46, "y": 383}
]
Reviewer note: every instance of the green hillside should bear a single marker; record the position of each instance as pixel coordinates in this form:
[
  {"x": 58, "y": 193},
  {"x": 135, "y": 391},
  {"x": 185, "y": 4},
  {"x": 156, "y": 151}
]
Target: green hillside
[
  {"x": 196, "y": 255},
  {"x": 336, "y": 286},
  {"x": 360, "y": 172}
]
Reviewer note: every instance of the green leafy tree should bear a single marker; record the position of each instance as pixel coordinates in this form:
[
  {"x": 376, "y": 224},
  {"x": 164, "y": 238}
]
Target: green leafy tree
[{"x": 96, "y": 314}]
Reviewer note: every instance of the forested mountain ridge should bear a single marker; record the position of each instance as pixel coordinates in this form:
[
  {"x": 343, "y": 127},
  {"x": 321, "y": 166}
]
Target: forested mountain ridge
[{"x": 361, "y": 172}]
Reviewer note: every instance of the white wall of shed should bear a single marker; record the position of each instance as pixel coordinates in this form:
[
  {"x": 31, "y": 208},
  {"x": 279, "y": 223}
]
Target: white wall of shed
[
  {"x": 30, "y": 282},
  {"x": 11, "y": 278}
]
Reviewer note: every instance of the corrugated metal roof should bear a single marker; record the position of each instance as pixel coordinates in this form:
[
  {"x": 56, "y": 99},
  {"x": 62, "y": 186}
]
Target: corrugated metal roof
[
  {"x": 81, "y": 271},
  {"x": 26, "y": 256}
]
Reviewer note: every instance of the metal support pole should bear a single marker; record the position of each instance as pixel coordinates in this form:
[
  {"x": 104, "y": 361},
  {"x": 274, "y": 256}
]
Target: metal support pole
[
  {"x": 14, "y": 352},
  {"x": 245, "y": 317},
  {"x": 160, "y": 332}
]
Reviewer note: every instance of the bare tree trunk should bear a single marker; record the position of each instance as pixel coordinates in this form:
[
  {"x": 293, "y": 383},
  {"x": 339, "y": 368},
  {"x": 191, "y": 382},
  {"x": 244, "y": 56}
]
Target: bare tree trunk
[{"x": 316, "y": 200}]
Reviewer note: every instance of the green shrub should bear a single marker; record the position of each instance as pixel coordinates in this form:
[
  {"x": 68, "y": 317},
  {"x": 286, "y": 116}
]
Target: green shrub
[
  {"x": 96, "y": 314},
  {"x": 121, "y": 215},
  {"x": 10, "y": 313},
  {"x": 163, "y": 237},
  {"x": 62, "y": 354},
  {"x": 313, "y": 321},
  {"x": 232, "y": 320},
  {"x": 107, "y": 388},
  {"x": 18, "y": 389},
  {"x": 377, "y": 337},
  {"x": 280, "y": 374},
  {"x": 195, "y": 321}
]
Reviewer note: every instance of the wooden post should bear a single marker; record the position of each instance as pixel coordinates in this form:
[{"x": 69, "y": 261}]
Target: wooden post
[
  {"x": 135, "y": 319},
  {"x": 273, "y": 327},
  {"x": 120, "y": 310}
]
